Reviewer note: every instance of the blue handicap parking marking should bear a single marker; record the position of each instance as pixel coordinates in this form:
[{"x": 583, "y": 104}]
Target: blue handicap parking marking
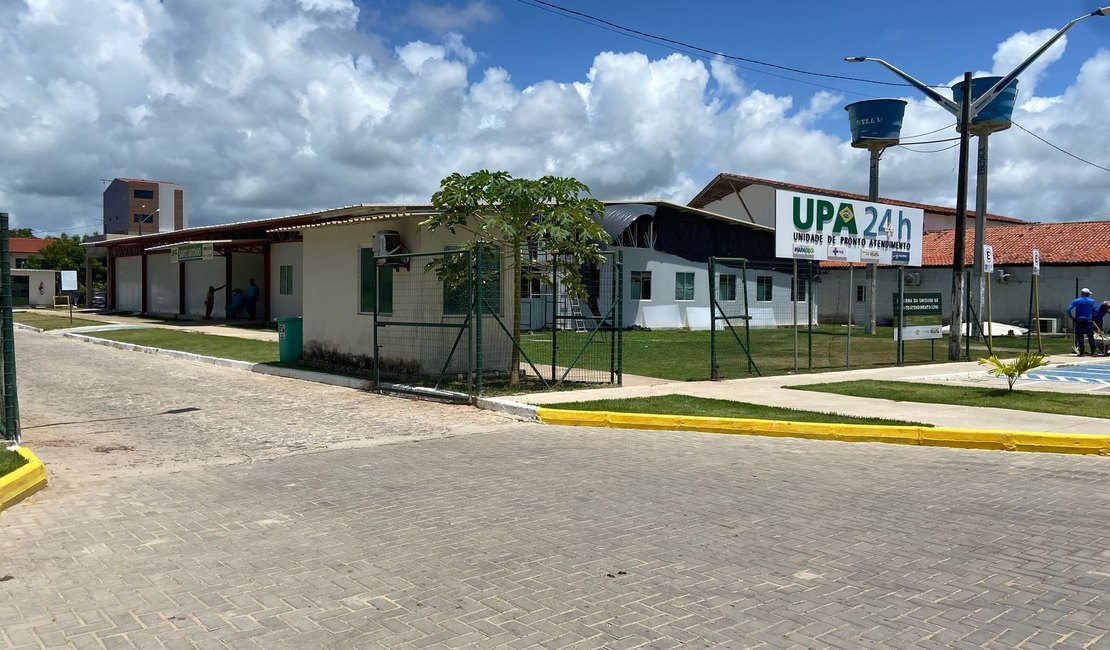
[{"x": 1085, "y": 374}]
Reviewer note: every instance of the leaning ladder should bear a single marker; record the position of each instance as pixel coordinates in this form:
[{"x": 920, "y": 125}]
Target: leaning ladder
[{"x": 577, "y": 322}]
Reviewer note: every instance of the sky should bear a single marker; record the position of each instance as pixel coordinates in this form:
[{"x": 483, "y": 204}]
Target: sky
[{"x": 263, "y": 108}]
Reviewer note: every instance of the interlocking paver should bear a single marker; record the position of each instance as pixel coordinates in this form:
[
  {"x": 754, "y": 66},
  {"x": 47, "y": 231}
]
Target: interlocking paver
[{"x": 507, "y": 538}]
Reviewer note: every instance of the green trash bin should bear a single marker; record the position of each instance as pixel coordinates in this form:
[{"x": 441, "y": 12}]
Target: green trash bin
[{"x": 290, "y": 338}]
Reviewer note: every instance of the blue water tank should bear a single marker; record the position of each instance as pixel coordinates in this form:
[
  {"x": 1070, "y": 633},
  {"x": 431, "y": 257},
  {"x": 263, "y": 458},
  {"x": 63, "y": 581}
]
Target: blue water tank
[
  {"x": 995, "y": 116},
  {"x": 876, "y": 123}
]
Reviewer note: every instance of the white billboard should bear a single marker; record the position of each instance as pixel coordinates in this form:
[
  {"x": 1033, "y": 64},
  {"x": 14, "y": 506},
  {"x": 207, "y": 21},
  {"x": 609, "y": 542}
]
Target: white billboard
[{"x": 813, "y": 227}]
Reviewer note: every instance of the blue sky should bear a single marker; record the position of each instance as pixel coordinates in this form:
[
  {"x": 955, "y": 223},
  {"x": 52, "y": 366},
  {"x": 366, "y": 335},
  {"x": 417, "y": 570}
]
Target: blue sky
[{"x": 269, "y": 107}]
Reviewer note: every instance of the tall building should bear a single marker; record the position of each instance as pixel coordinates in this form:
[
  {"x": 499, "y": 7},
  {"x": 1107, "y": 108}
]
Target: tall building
[{"x": 133, "y": 206}]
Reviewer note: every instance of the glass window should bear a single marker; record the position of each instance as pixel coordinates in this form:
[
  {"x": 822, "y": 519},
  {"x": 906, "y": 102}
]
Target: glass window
[
  {"x": 285, "y": 280},
  {"x": 763, "y": 288},
  {"x": 861, "y": 293},
  {"x": 801, "y": 285},
  {"x": 683, "y": 286},
  {"x": 727, "y": 290},
  {"x": 143, "y": 218},
  {"x": 142, "y": 194},
  {"x": 641, "y": 285},
  {"x": 374, "y": 281}
]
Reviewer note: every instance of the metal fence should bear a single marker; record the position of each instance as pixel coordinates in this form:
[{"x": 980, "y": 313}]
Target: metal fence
[
  {"x": 9, "y": 428},
  {"x": 446, "y": 322}
]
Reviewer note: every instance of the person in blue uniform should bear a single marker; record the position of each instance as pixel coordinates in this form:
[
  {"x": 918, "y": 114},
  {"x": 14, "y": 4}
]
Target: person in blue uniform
[
  {"x": 251, "y": 299},
  {"x": 1082, "y": 310}
]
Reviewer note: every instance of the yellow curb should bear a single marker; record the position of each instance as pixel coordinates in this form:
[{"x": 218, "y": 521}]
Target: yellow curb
[
  {"x": 23, "y": 482},
  {"x": 905, "y": 435}
]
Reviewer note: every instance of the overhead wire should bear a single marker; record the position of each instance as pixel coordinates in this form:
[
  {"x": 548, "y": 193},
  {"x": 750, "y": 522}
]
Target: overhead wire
[
  {"x": 655, "y": 38},
  {"x": 1060, "y": 149}
]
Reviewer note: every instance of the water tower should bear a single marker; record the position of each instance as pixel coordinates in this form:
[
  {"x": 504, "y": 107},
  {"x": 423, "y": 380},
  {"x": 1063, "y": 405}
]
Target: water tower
[{"x": 876, "y": 124}]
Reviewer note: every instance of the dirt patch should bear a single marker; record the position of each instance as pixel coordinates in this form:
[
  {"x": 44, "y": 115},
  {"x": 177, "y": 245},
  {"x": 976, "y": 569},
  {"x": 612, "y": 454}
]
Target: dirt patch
[{"x": 107, "y": 449}]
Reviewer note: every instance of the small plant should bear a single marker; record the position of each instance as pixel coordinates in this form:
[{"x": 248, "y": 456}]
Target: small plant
[{"x": 1022, "y": 364}]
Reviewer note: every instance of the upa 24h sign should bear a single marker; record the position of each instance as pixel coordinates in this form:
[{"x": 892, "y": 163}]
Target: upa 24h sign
[{"x": 812, "y": 227}]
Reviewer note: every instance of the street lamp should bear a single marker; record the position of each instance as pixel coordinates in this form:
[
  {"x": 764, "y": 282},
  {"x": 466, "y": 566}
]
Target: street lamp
[
  {"x": 976, "y": 106},
  {"x": 146, "y": 215}
]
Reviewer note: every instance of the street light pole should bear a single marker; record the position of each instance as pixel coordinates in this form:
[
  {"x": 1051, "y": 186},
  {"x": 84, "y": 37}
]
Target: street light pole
[
  {"x": 956, "y": 325},
  {"x": 144, "y": 216},
  {"x": 981, "y": 184}
]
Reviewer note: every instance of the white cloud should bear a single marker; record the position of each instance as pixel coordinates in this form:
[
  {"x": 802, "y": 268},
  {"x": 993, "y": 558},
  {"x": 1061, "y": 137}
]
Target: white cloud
[{"x": 269, "y": 107}]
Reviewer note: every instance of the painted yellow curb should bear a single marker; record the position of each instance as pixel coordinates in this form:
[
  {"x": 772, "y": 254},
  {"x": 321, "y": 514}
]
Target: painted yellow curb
[
  {"x": 907, "y": 435},
  {"x": 23, "y": 482}
]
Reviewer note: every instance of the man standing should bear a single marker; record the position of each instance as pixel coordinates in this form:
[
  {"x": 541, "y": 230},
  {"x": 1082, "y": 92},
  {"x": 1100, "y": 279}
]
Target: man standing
[
  {"x": 251, "y": 299},
  {"x": 1081, "y": 311}
]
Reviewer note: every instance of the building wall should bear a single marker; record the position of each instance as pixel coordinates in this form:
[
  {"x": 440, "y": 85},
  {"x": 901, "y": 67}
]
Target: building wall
[
  {"x": 199, "y": 275},
  {"x": 162, "y": 285},
  {"x": 129, "y": 283},
  {"x": 333, "y": 324},
  {"x": 116, "y": 206},
  {"x": 166, "y": 205},
  {"x": 1057, "y": 287},
  {"x": 290, "y": 254},
  {"x": 35, "y": 278}
]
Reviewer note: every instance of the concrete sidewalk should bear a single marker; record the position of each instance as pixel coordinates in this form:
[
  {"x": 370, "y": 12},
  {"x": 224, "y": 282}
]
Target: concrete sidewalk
[
  {"x": 776, "y": 391},
  {"x": 217, "y": 327}
]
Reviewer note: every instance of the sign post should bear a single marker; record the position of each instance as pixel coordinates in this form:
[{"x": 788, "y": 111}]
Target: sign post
[
  {"x": 191, "y": 252},
  {"x": 69, "y": 283},
  {"x": 918, "y": 315},
  {"x": 988, "y": 270},
  {"x": 1036, "y": 297}
]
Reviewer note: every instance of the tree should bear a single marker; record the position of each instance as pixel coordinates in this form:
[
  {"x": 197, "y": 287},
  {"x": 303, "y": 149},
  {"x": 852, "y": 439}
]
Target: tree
[
  {"x": 507, "y": 214},
  {"x": 21, "y": 232},
  {"x": 65, "y": 253}
]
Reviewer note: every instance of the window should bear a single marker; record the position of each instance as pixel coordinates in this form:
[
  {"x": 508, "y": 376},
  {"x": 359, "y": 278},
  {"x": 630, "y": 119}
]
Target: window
[
  {"x": 763, "y": 288},
  {"x": 143, "y": 218},
  {"x": 285, "y": 280},
  {"x": 641, "y": 285},
  {"x": 531, "y": 287},
  {"x": 801, "y": 285},
  {"x": 861, "y": 293},
  {"x": 142, "y": 194},
  {"x": 374, "y": 281},
  {"x": 683, "y": 286},
  {"x": 727, "y": 290}
]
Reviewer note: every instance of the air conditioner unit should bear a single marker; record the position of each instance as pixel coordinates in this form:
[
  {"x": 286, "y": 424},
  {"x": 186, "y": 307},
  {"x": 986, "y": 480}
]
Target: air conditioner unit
[
  {"x": 1003, "y": 276},
  {"x": 913, "y": 279},
  {"x": 387, "y": 242}
]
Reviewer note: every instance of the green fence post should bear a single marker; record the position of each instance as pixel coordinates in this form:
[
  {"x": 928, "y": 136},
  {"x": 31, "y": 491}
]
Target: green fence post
[
  {"x": 476, "y": 309},
  {"x": 809, "y": 316},
  {"x": 747, "y": 315},
  {"x": 620, "y": 318},
  {"x": 714, "y": 373},
  {"x": 11, "y": 402},
  {"x": 554, "y": 314}
]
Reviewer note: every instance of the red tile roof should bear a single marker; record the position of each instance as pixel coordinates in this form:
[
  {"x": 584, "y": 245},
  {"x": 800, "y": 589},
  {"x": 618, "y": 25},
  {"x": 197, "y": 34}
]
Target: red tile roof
[
  {"x": 1082, "y": 242},
  {"x": 26, "y": 245},
  {"x": 725, "y": 184}
]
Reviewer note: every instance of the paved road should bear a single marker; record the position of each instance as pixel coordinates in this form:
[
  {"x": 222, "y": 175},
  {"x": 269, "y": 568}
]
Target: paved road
[{"x": 531, "y": 536}]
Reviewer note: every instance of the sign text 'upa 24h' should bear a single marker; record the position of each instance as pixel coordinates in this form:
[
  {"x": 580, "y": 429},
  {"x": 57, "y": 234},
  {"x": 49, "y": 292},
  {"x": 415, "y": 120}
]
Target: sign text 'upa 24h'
[{"x": 815, "y": 227}]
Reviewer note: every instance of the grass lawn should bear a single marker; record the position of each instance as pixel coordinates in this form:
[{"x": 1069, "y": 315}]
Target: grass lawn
[
  {"x": 1012, "y": 345},
  {"x": 10, "y": 461},
  {"x": 225, "y": 347},
  {"x": 51, "y": 321},
  {"x": 1096, "y": 406},
  {"x": 718, "y": 408}
]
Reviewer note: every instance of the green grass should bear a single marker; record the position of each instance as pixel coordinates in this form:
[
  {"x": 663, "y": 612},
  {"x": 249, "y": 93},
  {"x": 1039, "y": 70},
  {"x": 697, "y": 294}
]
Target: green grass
[
  {"x": 225, "y": 347},
  {"x": 719, "y": 408},
  {"x": 685, "y": 355},
  {"x": 10, "y": 461},
  {"x": 1004, "y": 345},
  {"x": 51, "y": 321},
  {"x": 1096, "y": 406}
]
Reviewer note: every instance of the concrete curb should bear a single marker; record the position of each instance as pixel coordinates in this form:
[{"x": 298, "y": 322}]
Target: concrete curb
[
  {"x": 909, "y": 435},
  {"x": 175, "y": 354},
  {"x": 515, "y": 409},
  {"x": 310, "y": 375},
  {"x": 28, "y": 328},
  {"x": 23, "y": 482}
]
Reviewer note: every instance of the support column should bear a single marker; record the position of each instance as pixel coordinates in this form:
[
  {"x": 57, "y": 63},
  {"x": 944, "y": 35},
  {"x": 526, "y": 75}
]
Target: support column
[
  {"x": 266, "y": 282},
  {"x": 181, "y": 289},
  {"x": 143, "y": 287},
  {"x": 110, "y": 299}
]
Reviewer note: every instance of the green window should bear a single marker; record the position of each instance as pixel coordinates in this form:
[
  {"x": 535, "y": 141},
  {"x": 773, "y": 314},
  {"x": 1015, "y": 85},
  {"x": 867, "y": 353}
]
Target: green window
[
  {"x": 683, "y": 286},
  {"x": 727, "y": 290},
  {"x": 763, "y": 288},
  {"x": 641, "y": 285},
  {"x": 285, "y": 280},
  {"x": 374, "y": 280},
  {"x": 801, "y": 290}
]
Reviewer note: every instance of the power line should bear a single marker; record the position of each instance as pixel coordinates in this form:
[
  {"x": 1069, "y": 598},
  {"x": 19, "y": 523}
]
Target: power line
[
  {"x": 1061, "y": 150},
  {"x": 908, "y": 148},
  {"x": 611, "y": 26}
]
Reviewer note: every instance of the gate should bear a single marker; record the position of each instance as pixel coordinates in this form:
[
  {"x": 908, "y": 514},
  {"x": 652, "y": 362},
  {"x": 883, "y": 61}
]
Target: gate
[{"x": 444, "y": 323}]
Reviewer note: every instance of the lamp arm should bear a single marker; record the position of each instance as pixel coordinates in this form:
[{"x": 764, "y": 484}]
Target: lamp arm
[
  {"x": 949, "y": 105},
  {"x": 997, "y": 88}
]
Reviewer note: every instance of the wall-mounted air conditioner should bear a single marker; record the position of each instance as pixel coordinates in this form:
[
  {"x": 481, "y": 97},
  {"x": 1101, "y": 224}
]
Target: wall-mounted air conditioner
[
  {"x": 387, "y": 242},
  {"x": 913, "y": 279}
]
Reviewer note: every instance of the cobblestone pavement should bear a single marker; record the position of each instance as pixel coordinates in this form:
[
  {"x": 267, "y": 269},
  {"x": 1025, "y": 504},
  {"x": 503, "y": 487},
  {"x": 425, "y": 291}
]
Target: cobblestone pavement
[
  {"x": 533, "y": 536},
  {"x": 91, "y": 412}
]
